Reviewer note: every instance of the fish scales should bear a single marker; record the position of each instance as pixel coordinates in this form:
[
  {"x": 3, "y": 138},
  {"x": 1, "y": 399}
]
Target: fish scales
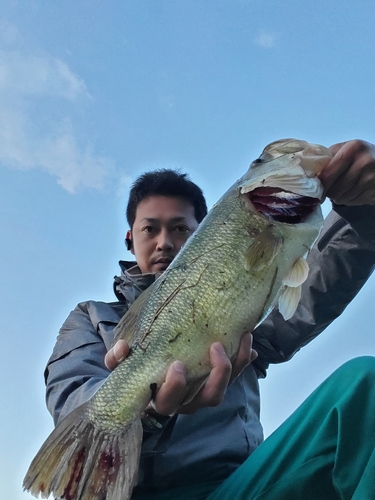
[{"x": 223, "y": 282}]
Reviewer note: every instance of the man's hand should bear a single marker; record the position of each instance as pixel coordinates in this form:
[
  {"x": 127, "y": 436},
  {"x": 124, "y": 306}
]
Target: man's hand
[
  {"x": 168, "y": 397},
  {"x": 349, "y": 178}
]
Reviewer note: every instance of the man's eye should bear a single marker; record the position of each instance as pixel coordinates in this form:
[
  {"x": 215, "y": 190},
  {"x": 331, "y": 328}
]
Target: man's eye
[
  {"x": 148, "y": 229},
  {"x": 181, "y": 229}
]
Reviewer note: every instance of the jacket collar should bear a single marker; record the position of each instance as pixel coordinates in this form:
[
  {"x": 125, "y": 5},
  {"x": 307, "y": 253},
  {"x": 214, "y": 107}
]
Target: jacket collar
[{"x": 131, "y": 283}]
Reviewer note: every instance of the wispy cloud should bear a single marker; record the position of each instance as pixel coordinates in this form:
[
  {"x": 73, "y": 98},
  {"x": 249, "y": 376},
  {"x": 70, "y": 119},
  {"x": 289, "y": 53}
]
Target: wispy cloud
[
  {"x": 266, "y": 40},
  {"x": 42, "y": 75},
  {"x": 29, "y": 80}
]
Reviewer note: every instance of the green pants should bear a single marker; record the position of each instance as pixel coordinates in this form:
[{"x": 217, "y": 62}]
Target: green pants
[{"x": 324, "y": 451}]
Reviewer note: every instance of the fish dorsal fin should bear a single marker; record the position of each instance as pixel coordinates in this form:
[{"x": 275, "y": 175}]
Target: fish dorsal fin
[
  {"x": 298, "y": 274},
  {"x": 288, "y": 301},
  {"x": 127, "y": 326},
  {"x": 263, "y": 249}
]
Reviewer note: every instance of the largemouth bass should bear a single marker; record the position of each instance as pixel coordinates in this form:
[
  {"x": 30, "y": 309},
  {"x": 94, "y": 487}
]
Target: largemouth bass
[{"x": 247, "y": 255}]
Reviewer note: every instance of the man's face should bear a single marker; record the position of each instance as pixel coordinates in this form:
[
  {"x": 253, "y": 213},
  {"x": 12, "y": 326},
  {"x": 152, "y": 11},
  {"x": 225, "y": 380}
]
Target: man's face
[{"x": 162, "y": 225}]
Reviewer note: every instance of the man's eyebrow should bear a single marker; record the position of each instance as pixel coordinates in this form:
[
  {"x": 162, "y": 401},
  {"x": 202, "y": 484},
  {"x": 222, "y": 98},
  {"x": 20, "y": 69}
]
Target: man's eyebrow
[{"x": 155, "y": 220}]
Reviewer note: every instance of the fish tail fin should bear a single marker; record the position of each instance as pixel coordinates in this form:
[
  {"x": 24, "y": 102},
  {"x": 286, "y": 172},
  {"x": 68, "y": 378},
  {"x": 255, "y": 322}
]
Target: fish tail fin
[{"x": 80, "y": 461}]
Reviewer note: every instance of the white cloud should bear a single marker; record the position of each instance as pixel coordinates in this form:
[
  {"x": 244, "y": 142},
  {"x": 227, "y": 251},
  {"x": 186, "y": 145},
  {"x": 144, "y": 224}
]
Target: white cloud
[
  {"x": 38, "y": 75},
  {"x": 73, "y": 167},
  {"x": 27, "y": 79},
  {"x": 58, "y": 155},
  {"x": 266, "y": 40}
]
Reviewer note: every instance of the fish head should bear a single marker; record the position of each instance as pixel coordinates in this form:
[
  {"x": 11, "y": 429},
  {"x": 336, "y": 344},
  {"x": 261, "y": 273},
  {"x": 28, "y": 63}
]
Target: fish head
[{"x": 283, "y": 183}]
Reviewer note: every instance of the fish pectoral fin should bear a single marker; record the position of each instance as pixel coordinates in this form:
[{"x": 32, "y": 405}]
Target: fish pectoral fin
[
  {"x": 291, "y": 295},
  {"x": 298, "y": 274},
  {"x": 81, "y": 460},
  {"x": 263, "y": 249},
  {"x": 288, "y": 301}
]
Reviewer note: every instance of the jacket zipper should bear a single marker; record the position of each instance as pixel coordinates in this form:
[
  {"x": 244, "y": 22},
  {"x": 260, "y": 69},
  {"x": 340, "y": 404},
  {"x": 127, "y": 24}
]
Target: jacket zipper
[{"x": 324, "y": 240}]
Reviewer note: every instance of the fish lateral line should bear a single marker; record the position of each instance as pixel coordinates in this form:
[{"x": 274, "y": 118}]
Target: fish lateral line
[
  {"x": 195, "y": 259},
  {"x": 172, "y": 296}
]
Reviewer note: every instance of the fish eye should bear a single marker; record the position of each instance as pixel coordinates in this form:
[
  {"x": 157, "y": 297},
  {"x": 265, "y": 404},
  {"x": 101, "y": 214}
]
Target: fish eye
[{"x": 256, "y": 162}]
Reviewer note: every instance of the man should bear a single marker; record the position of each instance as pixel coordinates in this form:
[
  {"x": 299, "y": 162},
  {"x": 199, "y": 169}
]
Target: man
[{"x": 199, "y": 453}]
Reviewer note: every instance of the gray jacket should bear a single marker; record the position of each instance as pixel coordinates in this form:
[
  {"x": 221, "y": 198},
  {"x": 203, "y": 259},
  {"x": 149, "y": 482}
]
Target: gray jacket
[{"x": 210, "y": 444}]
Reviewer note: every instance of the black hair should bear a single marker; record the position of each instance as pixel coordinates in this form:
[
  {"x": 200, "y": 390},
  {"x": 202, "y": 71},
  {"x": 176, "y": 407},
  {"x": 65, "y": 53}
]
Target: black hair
[{"x": 165, "y": 182}]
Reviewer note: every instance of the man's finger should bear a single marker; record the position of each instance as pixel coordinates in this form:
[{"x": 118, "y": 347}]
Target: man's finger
[
  {"x": 218, "y": 379},
  {"x": 117, "y": 354},
  {"x": 212, "y": 393},
  {"x": 336, "y": 147},
  {"x": 169, "y": 395},
  {"x": 340, "y": 162},
  {"x": 246, "y": 355},
  {"x": 214, "y": 389}
]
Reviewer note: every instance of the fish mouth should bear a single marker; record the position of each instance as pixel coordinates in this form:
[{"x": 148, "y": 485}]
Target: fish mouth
[{"x": 280, "y": 205}]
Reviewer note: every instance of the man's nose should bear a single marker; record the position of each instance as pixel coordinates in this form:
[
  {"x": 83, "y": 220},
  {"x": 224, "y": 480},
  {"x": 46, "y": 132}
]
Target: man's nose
[{"x": 165, "y": 240}]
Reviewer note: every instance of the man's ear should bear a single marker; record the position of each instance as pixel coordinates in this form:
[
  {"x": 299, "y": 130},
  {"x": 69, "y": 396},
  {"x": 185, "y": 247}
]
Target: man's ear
[{"x": 128, "y": 241}]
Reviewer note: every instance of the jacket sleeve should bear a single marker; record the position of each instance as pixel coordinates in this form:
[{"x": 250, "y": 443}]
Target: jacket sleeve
[
  {"x": 340, "y": 263},
  {"x": 76, "y": 368}
]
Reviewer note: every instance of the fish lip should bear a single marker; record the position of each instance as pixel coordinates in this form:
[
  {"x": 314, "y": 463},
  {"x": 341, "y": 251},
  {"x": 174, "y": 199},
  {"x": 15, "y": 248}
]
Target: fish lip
[{"x": 291, "y": 177}]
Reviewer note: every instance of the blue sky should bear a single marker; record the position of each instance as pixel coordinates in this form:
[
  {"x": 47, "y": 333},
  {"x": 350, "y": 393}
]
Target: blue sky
[{"x": 93, "y": 93}]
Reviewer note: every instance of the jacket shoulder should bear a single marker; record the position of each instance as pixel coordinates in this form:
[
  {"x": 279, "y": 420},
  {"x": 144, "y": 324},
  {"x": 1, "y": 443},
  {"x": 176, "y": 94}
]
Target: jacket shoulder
[{"x": 88, "y": 323}]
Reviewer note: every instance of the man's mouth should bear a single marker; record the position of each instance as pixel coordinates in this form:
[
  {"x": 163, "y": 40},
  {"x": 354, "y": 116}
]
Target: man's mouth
[{"x": 165, "y": 261}]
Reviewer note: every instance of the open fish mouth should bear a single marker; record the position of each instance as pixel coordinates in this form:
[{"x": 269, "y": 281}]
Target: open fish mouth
[{"x": 280, "y": 205}]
